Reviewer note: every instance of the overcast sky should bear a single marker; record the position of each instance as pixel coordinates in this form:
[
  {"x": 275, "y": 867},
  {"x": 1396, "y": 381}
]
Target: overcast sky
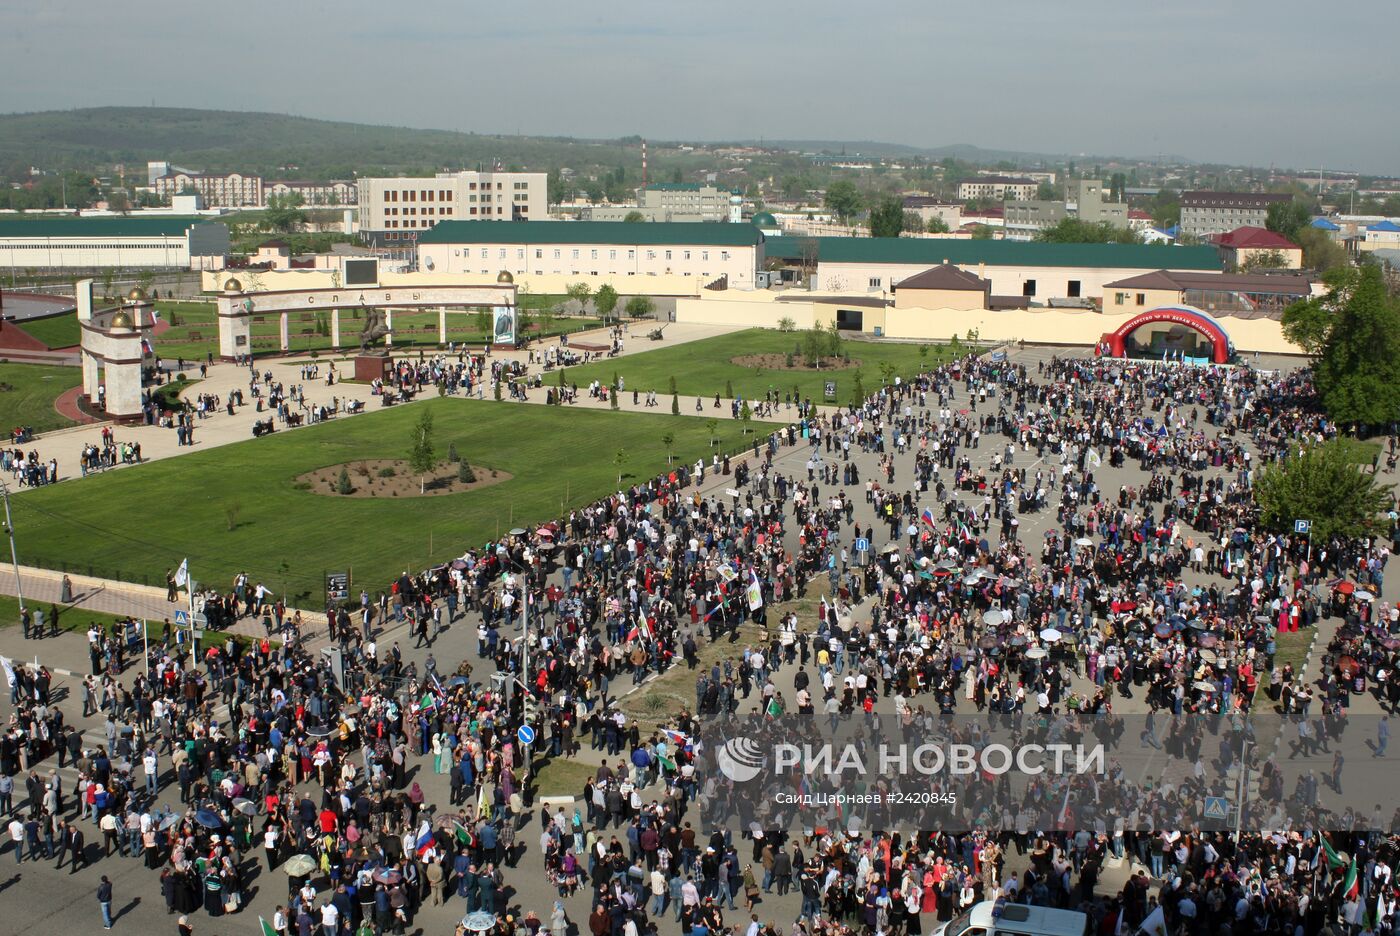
[{"x": 1283, "y": 82}]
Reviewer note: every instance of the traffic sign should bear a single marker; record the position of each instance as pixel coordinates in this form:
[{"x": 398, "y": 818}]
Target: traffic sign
[
  {"x": 1217, "y": 807},
  {"x": 1302, "y": 526},
  {"x": 182, "y": 619},
  {"x": 862, "y": 544},
  {"x": 526, "y": 734}
]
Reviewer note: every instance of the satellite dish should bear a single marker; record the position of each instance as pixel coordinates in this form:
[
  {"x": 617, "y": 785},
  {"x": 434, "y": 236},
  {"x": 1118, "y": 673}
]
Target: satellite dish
[{"x": 428, "y": 262}]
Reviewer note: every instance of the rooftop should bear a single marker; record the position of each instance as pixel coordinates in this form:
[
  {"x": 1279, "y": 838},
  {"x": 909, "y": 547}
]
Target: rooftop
[
  {"x": 718, "y": 234},
  {"x": 163, "y": 226},
  {"x": 933, "y": 251},
  {"x": 1283, "y": 284},
  {"x": 1000, "y": 180},
  {"x": 1253, "y": 238},
  {"x": 944, "y": 276},
  {"x": 1387, "y": 226}
]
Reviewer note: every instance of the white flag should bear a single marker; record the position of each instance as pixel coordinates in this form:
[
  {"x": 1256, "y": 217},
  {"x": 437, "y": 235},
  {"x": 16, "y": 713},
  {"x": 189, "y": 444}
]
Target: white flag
[
  {"x": 755, "y": 592},
  {"x": 1155, "y": 924},
  {"x": 1093, "y": 458},
  {"x": 182, "y": 574}
]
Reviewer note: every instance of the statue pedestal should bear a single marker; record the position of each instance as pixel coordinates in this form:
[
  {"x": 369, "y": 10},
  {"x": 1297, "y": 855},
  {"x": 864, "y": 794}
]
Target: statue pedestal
[{"x": 372, "y": 367}]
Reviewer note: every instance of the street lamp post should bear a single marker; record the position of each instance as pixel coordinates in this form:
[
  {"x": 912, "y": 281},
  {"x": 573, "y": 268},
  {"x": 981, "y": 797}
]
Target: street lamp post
[{"x": 14, "y": 556}]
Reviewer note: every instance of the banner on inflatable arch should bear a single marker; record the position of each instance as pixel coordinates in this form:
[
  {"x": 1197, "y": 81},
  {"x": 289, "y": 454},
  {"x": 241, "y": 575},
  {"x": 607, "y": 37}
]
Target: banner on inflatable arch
[{"x": 1114, "y": 343}]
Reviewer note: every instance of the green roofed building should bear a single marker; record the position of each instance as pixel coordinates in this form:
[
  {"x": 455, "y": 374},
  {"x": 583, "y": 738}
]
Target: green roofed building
[
  {"x": 1040, "y": 273},
  {"x": 147, "y": 242}
]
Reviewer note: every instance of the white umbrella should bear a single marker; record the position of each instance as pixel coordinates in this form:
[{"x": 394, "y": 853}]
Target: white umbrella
[
  {"x": 1050, "y": 635},
  {"x": 1204, "y": 686},
  {"x": 1362, "y": 595},
  {"x": 1083, "y": 541},
  {"x": 992, "y": 618},
  {"x": 1037, "y": 653},
  {"x": 1208, "y": 656}
]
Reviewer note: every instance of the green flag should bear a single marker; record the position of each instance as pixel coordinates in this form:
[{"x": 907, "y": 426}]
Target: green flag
[{"x": 267, "y": 929}]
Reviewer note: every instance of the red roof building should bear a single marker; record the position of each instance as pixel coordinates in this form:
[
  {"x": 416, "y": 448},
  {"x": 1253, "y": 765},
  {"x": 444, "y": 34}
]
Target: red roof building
[{"x": 1249, "y": 246}]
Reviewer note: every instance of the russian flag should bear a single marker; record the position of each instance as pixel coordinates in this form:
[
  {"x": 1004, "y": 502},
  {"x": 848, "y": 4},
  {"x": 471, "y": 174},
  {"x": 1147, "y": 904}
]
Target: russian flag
[
  {"x": 927, "y": 517},
  {"x": 679, "y": 739},
  {"x": 425, "y": 840}
]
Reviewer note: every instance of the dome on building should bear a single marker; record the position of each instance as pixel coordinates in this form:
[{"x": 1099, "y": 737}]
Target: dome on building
[
  {"x": 121, "y": 320},
  {"x": 505, "y": 277},
  {"x": 136, "y": 294},
  {"x": 232, "y": 285},
  {"x": 764, "y": 220}
]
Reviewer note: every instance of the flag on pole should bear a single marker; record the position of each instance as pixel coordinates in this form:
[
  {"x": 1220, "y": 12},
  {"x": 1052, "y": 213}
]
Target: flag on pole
[
  {"x": 1154, "y": 925},
  {"x": 425, "y": 839},
  {"x": 927, "y": 516},
  {"x": 1351, "y": 884},
  {"x": 755, "y": 592},
  {"x": 1093, "y": 458},
  {"x": 267, "y": 929},
  {"x": 182, "y": 574},
  {"x": 428, "y": 703},
  {"x": 1334, "y": 860}
]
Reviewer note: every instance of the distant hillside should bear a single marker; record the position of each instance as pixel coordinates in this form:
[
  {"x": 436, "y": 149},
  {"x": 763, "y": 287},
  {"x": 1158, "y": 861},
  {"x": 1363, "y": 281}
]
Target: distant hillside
[
  {"x": 963, "y": 151},
  {"x": 263, "y": 143}
]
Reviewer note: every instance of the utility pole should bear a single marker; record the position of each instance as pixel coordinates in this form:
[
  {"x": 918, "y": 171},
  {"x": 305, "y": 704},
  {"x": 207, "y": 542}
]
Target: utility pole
[
  {"x": 518, "y": 532},
  {"x": 14, "y": 556}
]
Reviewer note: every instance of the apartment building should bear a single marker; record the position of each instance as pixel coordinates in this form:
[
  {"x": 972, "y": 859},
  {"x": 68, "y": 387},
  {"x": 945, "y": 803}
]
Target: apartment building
[
  {"x": 1009, "y": 188},
  {"x": 673, "y": 202},
  {"x": 219, "y": 190},
  {"x": 1207, "y": 213},
  {"x": 1024, "y": 219},
  {"x": 314, "y": 194},
  {"x": 398, "y": 211}
]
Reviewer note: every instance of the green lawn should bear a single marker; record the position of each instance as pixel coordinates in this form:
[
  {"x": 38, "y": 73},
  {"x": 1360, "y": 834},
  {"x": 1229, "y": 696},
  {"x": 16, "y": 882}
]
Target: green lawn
[
  {"x": 56, "y": 331},
  {"x": 33, "y": 388},
  {"x": 135, "y": 524},
  {"x": 704, "y": 368},
  {"x": 195, "y": 333}
]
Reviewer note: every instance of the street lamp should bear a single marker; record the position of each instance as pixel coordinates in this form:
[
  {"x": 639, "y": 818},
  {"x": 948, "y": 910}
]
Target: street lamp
[
  {"x": 517, "y": 532},
  {"x": 14, "y": 556}
]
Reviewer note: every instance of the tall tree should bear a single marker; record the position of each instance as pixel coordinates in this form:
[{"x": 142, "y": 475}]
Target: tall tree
[
  {"x": 887, "y": 217},
  {"x": 580, "y": 293},
  {"x": 1075, "y": 231},
  {"x": 1352, "y": 333},
  {"x": 605, "y": 301},
  {"x": 283, "y": 212},
  {"x": 1287, "y": 218},
  {"x": 1326, "y": 485},
  {"x": 936, "y": 225},
  {"x": 843, "y": 199}
]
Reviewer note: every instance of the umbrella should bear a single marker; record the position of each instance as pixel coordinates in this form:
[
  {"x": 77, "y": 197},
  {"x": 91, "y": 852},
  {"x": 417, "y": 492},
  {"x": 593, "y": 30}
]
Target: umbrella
[
  {"x": 1162, "y": 629},
  {"x": 245, "y": 806},
  {"x": 456, "y": 681},
  {"x": 1204, "y": 686},
  {"x": 479, "y": 921},
  {"x": 459, "y": 564},
  {"x": 1363, "y": 595},
  {"x": 942, "y": 573},
  {"x": 946, "y": 566},
  {"x": 1037, "y": 653},
  {"x": 1206, "y": 640},
  {"x": 1208, "y": 656},
  {"x": 890, "y": 549},
  {"x": 545, "y": 532},
  {"x": 1346, "y": 588},
  {"x": 1018, "y": 641},
  {"x": 992, "y": 618},
  {"x": 447, "y": 820},
  {"x": 387, "y": 876},
  {"x": 1348, "y": 666},
  {"x": 1199, "y": 625},
  {"x": 299, "y": 865},
  {"x": 972, "y": 579},
  {"x": 1390, "y": 643},
  {"x": 168, "y": 822},
  {"x": 987, "y": 643},
  {"x": 1050, "y": 635},
  {"x": 209, "y": 819},
  {"x": 1083, "y": 541}
]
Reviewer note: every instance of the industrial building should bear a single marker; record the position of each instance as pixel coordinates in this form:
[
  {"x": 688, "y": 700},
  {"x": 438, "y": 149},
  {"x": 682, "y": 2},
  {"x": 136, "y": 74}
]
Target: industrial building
[{"x": 159, "y": 243}]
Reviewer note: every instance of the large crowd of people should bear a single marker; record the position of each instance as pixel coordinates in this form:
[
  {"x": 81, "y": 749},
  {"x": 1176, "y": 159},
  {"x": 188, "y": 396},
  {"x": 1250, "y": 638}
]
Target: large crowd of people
[{"x": 1169, "y": 589}]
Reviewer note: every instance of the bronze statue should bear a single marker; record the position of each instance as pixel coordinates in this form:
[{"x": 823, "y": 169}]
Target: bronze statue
[{"x": 375, "y": 328}]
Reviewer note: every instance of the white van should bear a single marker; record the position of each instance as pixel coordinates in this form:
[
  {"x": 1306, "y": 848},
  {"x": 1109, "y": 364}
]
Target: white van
[{"x": 999, "y": 918}]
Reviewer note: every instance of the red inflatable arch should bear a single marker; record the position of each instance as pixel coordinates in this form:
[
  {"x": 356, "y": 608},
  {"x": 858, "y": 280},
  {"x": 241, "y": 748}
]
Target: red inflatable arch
[{"x": 1113, "y": 344}]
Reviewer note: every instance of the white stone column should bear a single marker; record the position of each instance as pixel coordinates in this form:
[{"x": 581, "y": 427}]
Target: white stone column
[
  {"x": 285, "y": 333},
  {"x": 335, "y": 329},
  {"x": 235, "y": 331},
  {"x": 389, "y": 324},
  {"x": 442, "y": 326}
]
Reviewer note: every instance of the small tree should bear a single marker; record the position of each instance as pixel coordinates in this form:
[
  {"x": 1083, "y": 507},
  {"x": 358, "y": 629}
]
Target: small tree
[
  {"x": 728, "y": 390},
  {"x": 633, "y": 217},
  {"x": 668, "y": 440},
  {"x": 421, "y": 456},
  {"x": 496, "y": 390},
  {"x": 605, "y": 301},
  {"x": 936, "y": 225},
  {"x": 465, "y": 473},
  {"x": 484, "y": 323},
  {"x": 786, "y": 324},
  {"x": 612, "y": 394},
  {"x": 712, "y": 426},
  {"x": 675, "y": 404},
  {"x": 640, "y": 307},
  {"x": 746, "y": 414},
  {"x": 886, "y": 373},
  {"x": 620, "y": 459},
  {"x": 452, "y": 455},
  {"x": 673, "y": 383},
  {"x": 1326, "y": 485},
  {"x": 342, "y": 483},
  {"x": 857, "y": 388},
  {"x": 923, "y": 356},
  {"x": 580, "y": 293}
]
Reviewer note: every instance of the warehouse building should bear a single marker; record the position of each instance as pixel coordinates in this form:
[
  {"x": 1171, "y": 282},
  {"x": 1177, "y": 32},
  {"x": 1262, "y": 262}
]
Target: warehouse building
[{"x": 125, "y": 243}]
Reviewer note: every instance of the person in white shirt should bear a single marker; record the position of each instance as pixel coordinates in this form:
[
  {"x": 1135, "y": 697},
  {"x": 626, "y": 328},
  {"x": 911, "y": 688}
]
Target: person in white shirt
[{"x": 330, "y": 917}]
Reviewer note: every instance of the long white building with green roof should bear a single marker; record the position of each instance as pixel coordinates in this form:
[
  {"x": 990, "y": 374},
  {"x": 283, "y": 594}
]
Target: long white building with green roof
[{"x": 125, "y": 243}]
